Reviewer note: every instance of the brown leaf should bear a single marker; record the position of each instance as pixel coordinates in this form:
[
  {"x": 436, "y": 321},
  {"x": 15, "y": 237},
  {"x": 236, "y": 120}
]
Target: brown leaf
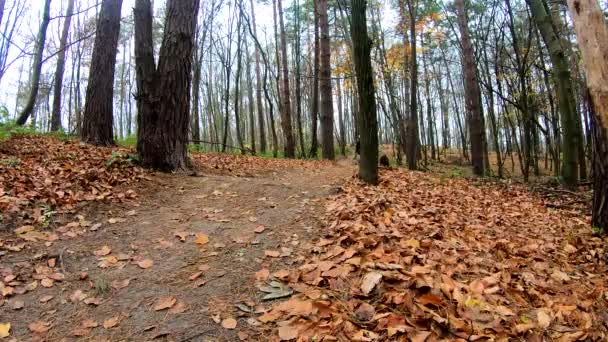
[
  {"x": 120, "y": 284},
  {"x": 77, "y": 296},
  {"x": 201, "y": 239},
  {"x": 46, "y": 298},
  {"x": 272, "y": 254},
  {"x": 369, "y": 282},
  {"x": 421, "y": 336},
  {"x": 178, "y": 308},
  {"x": 16, "y": 304},
  {"x": 103, "y": 251},
  {"x": 181, "y": 235},
  {"x": 145, "y": 263},
  {"x": 262, "y": 275},
  {"x": 288, "y": 333},
  {"x": 164, "y": 303},
  {"x": 111, "y": 322},
  {"x": 260, "y": 228},
  {"x": 39, "y": 327}
]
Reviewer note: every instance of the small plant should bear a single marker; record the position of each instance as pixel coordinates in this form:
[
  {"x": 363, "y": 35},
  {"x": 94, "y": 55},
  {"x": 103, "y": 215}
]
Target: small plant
[
  {"x": 597, "y": 231},
  {"x": 116, "y": 158},
  {"x": 102, "y": 287},
  {"x": 10, "y": 162},
  {"x": 47, "y": 216}
]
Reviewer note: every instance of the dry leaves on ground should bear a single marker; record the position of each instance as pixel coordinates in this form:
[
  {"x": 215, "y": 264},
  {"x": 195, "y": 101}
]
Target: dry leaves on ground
[{"x": 430, "y": 258}]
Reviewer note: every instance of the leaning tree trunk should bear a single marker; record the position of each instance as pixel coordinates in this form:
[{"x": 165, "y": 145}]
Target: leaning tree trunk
[
  {"x": 97, "y": 125},
  {"x": 327, "y": 108},
  {"x": 290, "y": 143},
  {"x": 163, "y": 93},
  {"x": 368, "y": 121},
  {"x": 36, "y": 66},
  {"x": 472, "y": 92},
  {"x": 56, "y": 116},
  {"x": 592, "y": 35}
]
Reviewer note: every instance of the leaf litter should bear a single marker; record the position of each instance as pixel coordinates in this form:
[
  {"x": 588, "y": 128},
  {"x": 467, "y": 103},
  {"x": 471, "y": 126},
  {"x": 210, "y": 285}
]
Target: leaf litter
[{"x": 427, "y": 258}]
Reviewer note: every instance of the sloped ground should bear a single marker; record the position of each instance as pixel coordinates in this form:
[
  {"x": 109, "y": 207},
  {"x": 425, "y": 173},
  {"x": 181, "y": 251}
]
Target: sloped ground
[{"x": 262, "y": 250}]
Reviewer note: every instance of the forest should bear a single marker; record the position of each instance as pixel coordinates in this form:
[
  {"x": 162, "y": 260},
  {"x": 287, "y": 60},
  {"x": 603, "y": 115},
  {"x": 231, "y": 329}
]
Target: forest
[{"x": 269, "y": 170}]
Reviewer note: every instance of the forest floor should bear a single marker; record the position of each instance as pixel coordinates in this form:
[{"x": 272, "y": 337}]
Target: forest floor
[{"x": 93, "y": 247}]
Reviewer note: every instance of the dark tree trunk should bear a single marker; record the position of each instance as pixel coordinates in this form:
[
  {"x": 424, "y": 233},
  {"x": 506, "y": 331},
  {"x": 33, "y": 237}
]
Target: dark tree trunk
[
  {"x": 472, "y": 92},
  {"x": 56, "y": 116},
  {"x": 298, "y": 85},
  {"x": 327, "y": 108},
  {"x": 163, "y": 93},
  {"x": 290, "y": 143},
  {"x": 368, "y": 121},
  {"x": 196, "y": 90},
  {"x": 36, "y": 66},
  {"x": 97, "y": 125},
  {"x": 314, "y": 108},
  {"x": 412, "y": 142}
]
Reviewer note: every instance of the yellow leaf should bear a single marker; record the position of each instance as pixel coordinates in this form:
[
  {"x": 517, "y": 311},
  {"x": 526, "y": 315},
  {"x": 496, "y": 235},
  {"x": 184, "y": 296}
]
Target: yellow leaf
[
  {"x": 201, "y": 239},
  {"x": 5, "y": 330}
]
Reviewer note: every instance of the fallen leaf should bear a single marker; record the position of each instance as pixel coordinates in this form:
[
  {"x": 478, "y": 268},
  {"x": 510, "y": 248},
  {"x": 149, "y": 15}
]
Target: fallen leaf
[
  {"x": 229, "y": 323},
  {"x": 178, "y": 308},
  {"x": 369, "y": 282},
  {"x": 145, "y": 263},
  {"x": 39, "y": 327},
  {"x": 260, "y": 228},
  {"x": 5, "y": 330},
  {"x": 544, "y": 320},
  {"x": 262, "y": 275},
  {"x": 120, "y": 284},
  {"x": 46, "y": 282},
  {"x": 165, "y": 303},
  {"x": 421, "y": 336},
  {"x": 103, "y": 251},
  {"x": 272, "y": 254},
  {"x": 111, "y": 322},
  {"x": 77, "y": 296},
  {"x": 201, "y": 239},
  {"x": 181, "y": 235},
  {"x": 16, "y": 304},
  {"x": 288, "y": 333},
  {"x": 46, "y": 298}
]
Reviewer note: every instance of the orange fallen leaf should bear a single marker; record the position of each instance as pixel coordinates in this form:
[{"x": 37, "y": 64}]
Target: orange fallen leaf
[
  {"x": 120, "y": 284},
  {"x": 201, "y": 239},
  {"x": 178, "y": 308},
  {"x": 262, "y": 274},
  {"x": 111, "y": 322},
  {"x": 229, "y": 323},
  {"x": 272, "y": 254},
  {"x": 103, "y": 251},
  {"x": 39, "y": 327},
  {"x": 260, "y": 228},
  {"x": 288, "y": 333}
]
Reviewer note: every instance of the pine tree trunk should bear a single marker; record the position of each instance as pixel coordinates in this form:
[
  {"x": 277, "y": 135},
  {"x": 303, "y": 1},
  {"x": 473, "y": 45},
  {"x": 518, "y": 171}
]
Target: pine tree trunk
[
  {"x": 36, "y": 66},
  {"x": 412, "y": 140},
  {"x": 290, "y": 143},
  {"x": 368, "y": 121},
  {"x": 196, "y": 90},
  {"x": 163, "y": 98},
  {"x": 250, "y": 102},
  {"x": 472, "y": 92},
  {"x": 97, "y": 125},
  {"x": 56, "y": 116},
  {"x": 592, "y": 35}
]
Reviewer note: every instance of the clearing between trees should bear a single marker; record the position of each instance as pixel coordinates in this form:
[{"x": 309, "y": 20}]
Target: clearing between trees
[{"x": 267, "y": 249}]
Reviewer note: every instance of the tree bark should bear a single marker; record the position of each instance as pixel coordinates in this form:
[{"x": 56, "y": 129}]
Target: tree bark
[
  {"x": 563, "y": 85},
  {"x": 290, "y": 144},
  {"x": 258, "y": 88},
  {"x": 314, "y": 108},
  {"x": 412, "y": 141},
  {"x": 327, "y": 108},
  {"x": 472, "y": 92},
  {"x": 592, "y": 35},
  {"x": 163, "y": 92},
  {"x": 368, "y": 121},
  {"x": 56, "y": 116},
  {"x": 36, "y": 66},
  {"x": 97, "y": 125}
]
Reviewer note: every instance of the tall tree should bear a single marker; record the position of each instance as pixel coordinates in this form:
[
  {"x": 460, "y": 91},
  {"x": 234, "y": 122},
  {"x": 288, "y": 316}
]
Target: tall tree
[
  {"x": 36, "y": 66},
  {"x": 592, "y": 34},
  {"x": 97, "y": 125},
  {"x": 163, "y": 92},
  {"x": 472, "y": 91},
  {"x": 258, "y": 87},
  {"x": 368, "y": 121},
  {"x": 56, "y": 116},
  {"x": 314, "y": 106},
  {"x": 327, "y": 105},
  {"x": 563, "y": 85},
  {"x": 290, "y": 143},
  {"x": 412, "y": 143}
]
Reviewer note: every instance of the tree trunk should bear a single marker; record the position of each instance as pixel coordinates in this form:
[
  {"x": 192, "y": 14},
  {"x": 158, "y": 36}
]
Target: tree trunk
[
  {"x": 563, "y": 85},
  {"x": 592, "y": 35},
  {"x": 327, "y": 108},
  {"x": 196, "y": 89},
  {"x": 250, "y": 102},
  {"x": 163, "y": 98},
  {"x": 56, "y": 116},
  {"x": 290, "y": 144},
  {"x": 258, "y": 88},
  {"x": 472, "y": 92},
  {"x": 97, "y": 126},
  {"x": 368, "y": 121},
  {"x": 412, "y": 142},
  {"x": 36, "y": 66},
  {"x": 298, "y": 86},
  {"x": 314, "y": 108}
]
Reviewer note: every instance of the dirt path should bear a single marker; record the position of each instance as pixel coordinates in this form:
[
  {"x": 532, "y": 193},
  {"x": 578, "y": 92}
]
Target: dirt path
[{"x": 202, "y": 281}]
